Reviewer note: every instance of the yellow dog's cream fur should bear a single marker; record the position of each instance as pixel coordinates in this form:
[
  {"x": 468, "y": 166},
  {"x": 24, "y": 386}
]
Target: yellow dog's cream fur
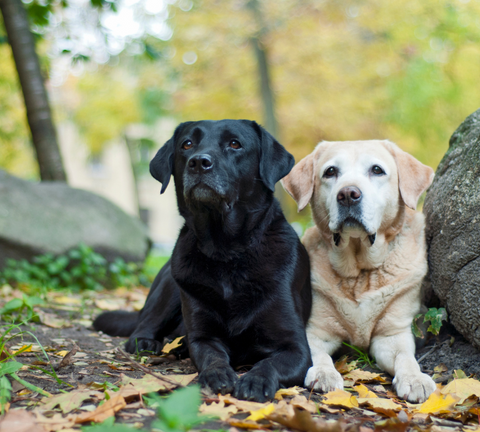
[{"x": 365, "y": 294}]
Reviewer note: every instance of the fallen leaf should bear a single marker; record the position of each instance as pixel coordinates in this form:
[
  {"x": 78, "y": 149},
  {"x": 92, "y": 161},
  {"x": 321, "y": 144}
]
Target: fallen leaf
[
  {"x": 459, "y": 374},
  {"x": 463, "y": 388},
  {"x": 392, "y": 424},
  {"x": 150, "y": 384},
  {"x": 68, "y": 358},
  {"x": 360, "y": 375},
  {"x": 69, "y": 401},
  {"x": 247, "y": 424},
  {"x": 67, "y": 300},
  {"x": 23, "y": 349},
  {"x": 381, "y": 406},
  {"x": 294, "y": 417},
  {"x": 364, "y": 392},
  {"x": 438, "y": 403},
  {"x": 343, "y": 366},
  {"x": 20, "y": 421},
  {"x": 108, "y": 409},
  {"x": 261, "y": 413},
  {"x": 110, "y": 304},
  {"x": 51, "y": 320},
  {"x": 242, "y": 405},
  {"x": 55, "y": 423},
  {"x": 62, "y": 353},
  {"x": 341, "y": 398},
  {"x": 172, "y": 345},
  {"x": 291, "y": 391},
  {"x": 303, "y": 402},
  {"x": 440, "y": 368},
  {"x": 218, "y": 410}
]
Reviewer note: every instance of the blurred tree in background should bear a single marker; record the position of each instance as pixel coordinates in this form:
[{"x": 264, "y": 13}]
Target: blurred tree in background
[{"x": 407, "y": 71}]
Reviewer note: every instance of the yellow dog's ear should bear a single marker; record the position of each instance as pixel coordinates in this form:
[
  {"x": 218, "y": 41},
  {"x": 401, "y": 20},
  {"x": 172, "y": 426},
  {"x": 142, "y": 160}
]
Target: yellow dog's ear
[
  {"x": 414, "y": 178},
  {"x": 299, "y": 182}
]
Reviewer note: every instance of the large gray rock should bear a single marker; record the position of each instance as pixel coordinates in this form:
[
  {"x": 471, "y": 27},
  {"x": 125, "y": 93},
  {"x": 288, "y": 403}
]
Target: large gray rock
[
  {"x": 452, "y": 209},
  {"x": 37, "y": 218}
]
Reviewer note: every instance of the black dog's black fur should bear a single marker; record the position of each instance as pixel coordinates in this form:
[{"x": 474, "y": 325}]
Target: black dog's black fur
[{"x": 238, "y": 273}]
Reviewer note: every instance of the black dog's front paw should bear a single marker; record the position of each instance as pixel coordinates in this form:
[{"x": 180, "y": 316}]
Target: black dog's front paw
[
  {"x": 256, "y": 386},
  {"x": 138, "y": 345},
  {"x": 219, "y": 379}
]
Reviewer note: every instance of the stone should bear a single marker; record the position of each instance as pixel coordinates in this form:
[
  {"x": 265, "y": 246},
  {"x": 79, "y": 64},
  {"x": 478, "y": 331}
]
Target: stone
[
  {"x": 452, "y": 210},
  {"x": 51, "y": 217}
]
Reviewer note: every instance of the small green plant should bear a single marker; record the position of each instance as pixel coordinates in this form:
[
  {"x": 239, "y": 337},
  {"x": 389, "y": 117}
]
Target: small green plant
[
  {"x": 433, "y": 316},
  {"x": 79, "y": 269},
  {"x": 363, "y": 357},
  {"x": 15, "y": 309}
]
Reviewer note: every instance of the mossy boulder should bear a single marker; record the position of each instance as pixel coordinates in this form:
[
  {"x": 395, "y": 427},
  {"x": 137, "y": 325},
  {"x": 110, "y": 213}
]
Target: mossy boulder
[
  {"x": 452, "y": 210},
  {"x": 51, "y": 217}
]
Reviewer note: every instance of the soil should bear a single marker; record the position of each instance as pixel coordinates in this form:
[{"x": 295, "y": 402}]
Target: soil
[{"x": 98, "y": 361}]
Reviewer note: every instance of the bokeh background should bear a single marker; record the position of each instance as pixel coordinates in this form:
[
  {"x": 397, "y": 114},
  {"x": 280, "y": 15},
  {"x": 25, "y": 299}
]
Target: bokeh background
[{"x": 121, "y": 75}]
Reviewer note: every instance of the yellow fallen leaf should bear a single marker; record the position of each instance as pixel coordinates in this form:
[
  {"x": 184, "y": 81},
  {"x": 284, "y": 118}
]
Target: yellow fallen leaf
[
  {"x": 172, "y": 345},
  {"x": 341, "y": 398},
  {"x": 245, "y": 424},
  {"x": 261, "y": 413},
  {"x": 67, "y": 300},
  {"x": 23, "y": 348},
  {"x": 364, "y": 392},
  {"x": 108, "y": 409},
  {"x": 379, "y": 403},
  {"x": 291, "y": 391},
  {"x": 360, "y": 375},
  {"x": 463, "y": 388},
  {"x": 110, "y": 304},
  {"x": 62, "y": 353},
  {"x": 242, "y": 405},
  {"x": 218, "y": 410},
  {"x": 438, "y": 403}
]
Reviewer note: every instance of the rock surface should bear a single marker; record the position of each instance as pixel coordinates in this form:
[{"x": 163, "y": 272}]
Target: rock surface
[
  {"x": 452, "y": 210},
  {"x": 37, "y": 218}
]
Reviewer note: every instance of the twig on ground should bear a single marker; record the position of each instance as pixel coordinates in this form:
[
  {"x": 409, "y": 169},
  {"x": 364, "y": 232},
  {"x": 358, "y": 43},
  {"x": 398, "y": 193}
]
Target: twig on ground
[
  {"x": 144, "y": 369},
  {"x": 424, "y": 356},
  {"x": 68, "y": 359}
]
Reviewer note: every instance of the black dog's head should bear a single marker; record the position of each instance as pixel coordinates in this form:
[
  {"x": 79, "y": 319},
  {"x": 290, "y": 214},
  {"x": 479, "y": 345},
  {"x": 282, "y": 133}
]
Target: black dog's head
[{"x": 220, "y": 163}]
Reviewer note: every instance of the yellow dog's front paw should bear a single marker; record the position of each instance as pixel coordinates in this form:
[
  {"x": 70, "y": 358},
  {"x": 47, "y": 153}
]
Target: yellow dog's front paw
[
  {"x": 323, "y": 378},
  {"x": 415, "y": 388}
]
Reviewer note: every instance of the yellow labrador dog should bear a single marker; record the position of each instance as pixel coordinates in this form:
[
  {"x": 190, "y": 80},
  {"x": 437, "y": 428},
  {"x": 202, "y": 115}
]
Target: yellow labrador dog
[{"x": 368, "y": 257}]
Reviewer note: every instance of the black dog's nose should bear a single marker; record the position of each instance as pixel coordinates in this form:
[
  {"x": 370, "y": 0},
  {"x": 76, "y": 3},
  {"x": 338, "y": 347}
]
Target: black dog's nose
[
  {"x": 349, "y": 196},
  {"x": 200, "y": 163}
]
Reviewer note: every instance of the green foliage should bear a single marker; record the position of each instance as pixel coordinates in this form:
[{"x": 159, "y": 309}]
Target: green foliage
[
  {"x": 15, "y": 309},
  {"x": 434, "y": 316},
  {"x": 179, "y": 411},
  {"x": 80, "y": 269},
  {"x": 362, "y": 356}
]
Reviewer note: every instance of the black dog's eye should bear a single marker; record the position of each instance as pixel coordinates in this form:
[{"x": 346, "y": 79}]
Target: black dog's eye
[
  {"x": 330, "y": 172},
  {"x": 187, "y": 145},
  {"x": 377, "y": 170},
  {"x": 235, "y": 144}
]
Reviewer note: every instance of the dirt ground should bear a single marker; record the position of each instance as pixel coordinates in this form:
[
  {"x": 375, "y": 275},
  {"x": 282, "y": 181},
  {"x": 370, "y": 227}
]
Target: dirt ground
[{"x": 67, "y": 323}]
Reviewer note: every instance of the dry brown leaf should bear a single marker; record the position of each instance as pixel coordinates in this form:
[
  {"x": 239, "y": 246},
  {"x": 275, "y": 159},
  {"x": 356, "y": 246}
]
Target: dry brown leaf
[
  {"x": 343, "y": 366},
  {"x": 55, "y": 423},
  {"x": 69, "y": 401},
  {"x": 360, "y": 375},
  {"x": 20, "y": 421},
  {"x": 218, "y": 410},
  {"x": 242, "y": 405},
  {"x": 392, "y": 424},
  {"x": 52, "y": 320},
  {"x": 438, "y": 403},
  {"x": 463, "y": 388},
  {"x": 68, "y": 358},
  {"x": 381, "y": 406},
  {"x": 364, "y": 392},
  {"x": 108, "y": 409},
  {"x": 303, "y": 402},
  {"x": 341, "y": 398},
  {"x": 295, "y": 417},
  {"x": 172, "y": 345},
  {"x": 149, "y": 383}
]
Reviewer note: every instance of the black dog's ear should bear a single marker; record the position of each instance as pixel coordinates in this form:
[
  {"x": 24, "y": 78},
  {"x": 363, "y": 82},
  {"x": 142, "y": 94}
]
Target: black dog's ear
[
  {"x": 161, "y": 166},
  {"x": 275, "y": 161}
]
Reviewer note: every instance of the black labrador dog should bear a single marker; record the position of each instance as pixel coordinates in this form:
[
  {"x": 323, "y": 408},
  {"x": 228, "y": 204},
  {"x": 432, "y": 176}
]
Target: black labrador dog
[{"x": 238, "y": 273}]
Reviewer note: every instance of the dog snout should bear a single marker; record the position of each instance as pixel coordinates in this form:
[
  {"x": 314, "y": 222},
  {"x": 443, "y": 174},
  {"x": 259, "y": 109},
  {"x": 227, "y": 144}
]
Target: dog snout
[
  {"x": 349, "y": 196},
  {"x": 200, "y": 163}
]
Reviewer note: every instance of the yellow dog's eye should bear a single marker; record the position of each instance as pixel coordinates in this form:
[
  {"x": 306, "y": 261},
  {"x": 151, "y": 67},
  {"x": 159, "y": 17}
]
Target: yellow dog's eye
[
  {"x": 377, "y": 170},
  {"x": 187, "y": 145},
  {"x": 330, "y": 172}
]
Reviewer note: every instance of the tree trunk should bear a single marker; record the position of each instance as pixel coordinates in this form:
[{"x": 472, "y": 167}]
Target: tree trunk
[
  {"x": 266, "y": 92},
  {"x": 36, "y": 100}
]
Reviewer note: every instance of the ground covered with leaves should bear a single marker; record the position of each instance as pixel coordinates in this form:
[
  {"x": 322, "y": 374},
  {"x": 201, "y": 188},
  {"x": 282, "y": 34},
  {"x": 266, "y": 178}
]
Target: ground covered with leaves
[{"x": 58, "y": 374}]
